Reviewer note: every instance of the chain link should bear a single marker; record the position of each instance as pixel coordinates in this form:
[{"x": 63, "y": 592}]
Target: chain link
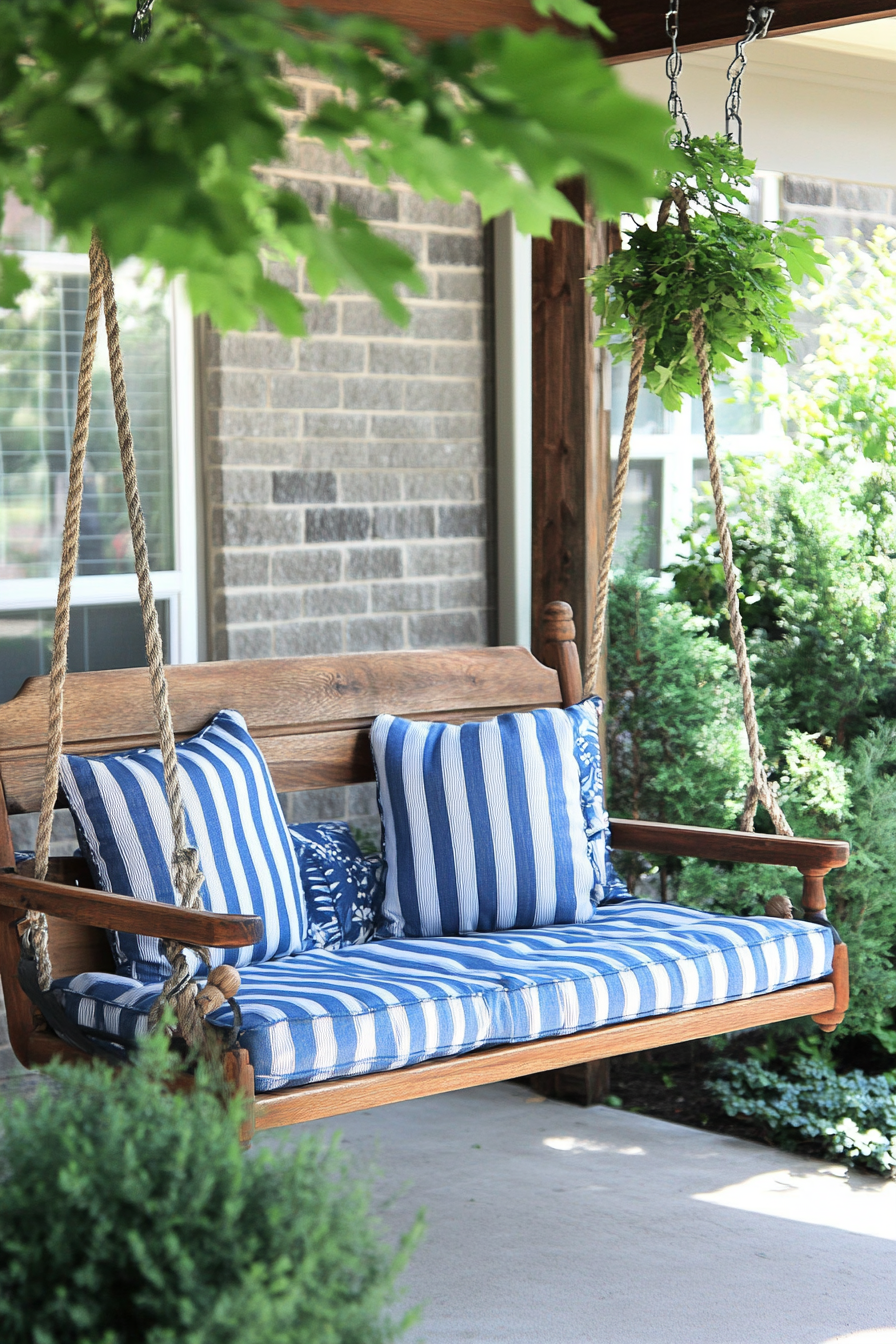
[
  {"x": 759, "y": 18},
  {"x": 673, "y": 71},
  {"x": 142, "y": 25}
]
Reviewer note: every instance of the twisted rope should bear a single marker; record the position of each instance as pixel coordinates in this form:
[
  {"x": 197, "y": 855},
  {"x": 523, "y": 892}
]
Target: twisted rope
[
  {"x": 180, "y": 988},
  {"x": 760, "y": 791},
  {"x": 37, "y": 922},
  {"x": 599, "y": 624}
]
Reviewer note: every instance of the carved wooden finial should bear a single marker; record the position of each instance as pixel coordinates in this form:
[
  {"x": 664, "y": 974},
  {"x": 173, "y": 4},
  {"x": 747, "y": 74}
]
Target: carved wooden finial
[
  {"x": 558, "y": 624},
  {"x": 779, "y": 907}
]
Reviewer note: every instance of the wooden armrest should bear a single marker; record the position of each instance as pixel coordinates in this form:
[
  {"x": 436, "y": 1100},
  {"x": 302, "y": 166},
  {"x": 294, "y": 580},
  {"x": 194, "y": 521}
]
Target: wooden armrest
[
  {"x": 699, "y": 842},
  {"x": 81, "y": 905}
]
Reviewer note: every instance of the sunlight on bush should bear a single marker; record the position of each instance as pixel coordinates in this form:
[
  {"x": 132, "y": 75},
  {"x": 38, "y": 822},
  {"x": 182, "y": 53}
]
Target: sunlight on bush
[{"x": 853, "y": 1116}]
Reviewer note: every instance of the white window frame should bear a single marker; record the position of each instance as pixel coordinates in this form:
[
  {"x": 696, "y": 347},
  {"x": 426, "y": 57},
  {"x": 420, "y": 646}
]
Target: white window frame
[{"x": 179, "y": 587}]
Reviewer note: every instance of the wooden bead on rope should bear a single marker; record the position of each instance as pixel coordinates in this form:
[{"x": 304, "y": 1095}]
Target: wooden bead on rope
[
  {"x": 222, "y": 984},
  {"x": 779, "y": 907},
  {"x": 209, "y": 999},
  {"x": 225, "y": 978}
]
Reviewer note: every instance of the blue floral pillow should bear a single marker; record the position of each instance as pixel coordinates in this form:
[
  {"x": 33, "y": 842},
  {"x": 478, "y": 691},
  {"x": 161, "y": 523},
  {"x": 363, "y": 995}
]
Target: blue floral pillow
[
  {"x": 608, "y": 885},
  {"x": 343, "y": 888}
]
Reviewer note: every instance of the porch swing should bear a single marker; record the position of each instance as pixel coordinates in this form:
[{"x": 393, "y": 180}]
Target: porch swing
[{"x": 469, "y": 998}]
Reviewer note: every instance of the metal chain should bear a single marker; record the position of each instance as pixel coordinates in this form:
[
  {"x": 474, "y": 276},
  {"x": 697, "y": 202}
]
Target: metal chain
[
  {"x": 673, "y": 71},
  {"x": 759, "y": 18},
  {"x": 142, "y": 25}
]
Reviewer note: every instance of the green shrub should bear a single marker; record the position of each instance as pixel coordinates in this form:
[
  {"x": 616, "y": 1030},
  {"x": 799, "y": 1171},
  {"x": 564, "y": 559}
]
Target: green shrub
[
  {"x": 677, "y": 750},
  {"x": 852, "y": 1116},
  {"x": 130, "y": 1215}
]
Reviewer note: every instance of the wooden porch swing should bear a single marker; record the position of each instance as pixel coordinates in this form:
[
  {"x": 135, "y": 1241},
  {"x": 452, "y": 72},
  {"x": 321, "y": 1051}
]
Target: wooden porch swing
[{"x": 311, "y": 718}]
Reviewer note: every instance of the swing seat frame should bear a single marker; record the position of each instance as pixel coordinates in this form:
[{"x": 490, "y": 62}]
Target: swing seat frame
[{"x": 311, "y": 718}]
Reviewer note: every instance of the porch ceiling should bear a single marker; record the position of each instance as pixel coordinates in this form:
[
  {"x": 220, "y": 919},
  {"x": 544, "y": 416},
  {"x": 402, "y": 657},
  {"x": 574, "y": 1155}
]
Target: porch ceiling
[{"x": 639, "y": 25}]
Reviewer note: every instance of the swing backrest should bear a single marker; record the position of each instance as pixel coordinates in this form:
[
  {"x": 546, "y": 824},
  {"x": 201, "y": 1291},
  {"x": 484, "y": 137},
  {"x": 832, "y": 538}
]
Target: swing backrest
[{"x": 309, "y": 716}]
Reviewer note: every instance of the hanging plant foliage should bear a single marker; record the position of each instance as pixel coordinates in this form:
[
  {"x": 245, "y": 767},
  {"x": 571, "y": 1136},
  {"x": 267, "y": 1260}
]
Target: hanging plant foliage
[{"x": 704, "y": 253}]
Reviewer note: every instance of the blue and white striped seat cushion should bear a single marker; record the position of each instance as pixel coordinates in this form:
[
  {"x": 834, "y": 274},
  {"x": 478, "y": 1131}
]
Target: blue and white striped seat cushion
[
  {"x": 492, "y": 825},
  {"x": 382, "y": 1005},
  {"x": 234, "y": 819}
]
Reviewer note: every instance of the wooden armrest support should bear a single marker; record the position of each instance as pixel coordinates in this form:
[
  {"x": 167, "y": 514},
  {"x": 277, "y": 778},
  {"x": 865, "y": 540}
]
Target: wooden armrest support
[
  {"x": 81, "y": 905},
  {"x": 699, "y": 842}
]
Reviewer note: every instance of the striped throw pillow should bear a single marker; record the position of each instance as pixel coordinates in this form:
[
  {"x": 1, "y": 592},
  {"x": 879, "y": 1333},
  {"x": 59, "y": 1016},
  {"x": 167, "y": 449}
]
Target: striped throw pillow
[
  {"x": 234, "y": 820},
  {"x": 494, "y": 825}
]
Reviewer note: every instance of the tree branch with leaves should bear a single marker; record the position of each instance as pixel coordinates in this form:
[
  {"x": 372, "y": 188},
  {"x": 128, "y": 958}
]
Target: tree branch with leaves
[{"x": 158, "y": 144}]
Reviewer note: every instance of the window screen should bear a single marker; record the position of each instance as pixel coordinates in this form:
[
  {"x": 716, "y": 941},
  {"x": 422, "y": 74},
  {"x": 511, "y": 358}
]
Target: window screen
[
  {"x": 40, "y": 344},
  {"x": 638, "y": 538},
  {"x": 100, "y": 637}
]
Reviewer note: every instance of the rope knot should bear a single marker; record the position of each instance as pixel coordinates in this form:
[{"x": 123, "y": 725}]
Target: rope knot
[{"x": 187, "y": 875}]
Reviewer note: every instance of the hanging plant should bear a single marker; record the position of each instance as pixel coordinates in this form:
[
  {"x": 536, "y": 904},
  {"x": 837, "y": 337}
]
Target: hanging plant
[{"x": 704, "y": 253}]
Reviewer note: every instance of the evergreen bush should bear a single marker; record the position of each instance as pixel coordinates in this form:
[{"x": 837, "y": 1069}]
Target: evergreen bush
[
  {"x": 130, "y": 1215},
  {"x": 677, "y": 749}
]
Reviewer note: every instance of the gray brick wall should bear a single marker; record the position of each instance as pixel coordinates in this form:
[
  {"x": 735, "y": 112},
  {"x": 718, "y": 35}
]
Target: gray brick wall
[
  {"x": 839, "y": 209},
  {"x": 348, "y": 475}
]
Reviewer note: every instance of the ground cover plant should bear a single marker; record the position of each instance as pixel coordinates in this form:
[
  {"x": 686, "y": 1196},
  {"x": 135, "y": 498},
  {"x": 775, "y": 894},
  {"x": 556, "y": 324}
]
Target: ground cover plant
[
  {"x": 851, "y": 1117},
  {"x": 130, "y": 1215}
]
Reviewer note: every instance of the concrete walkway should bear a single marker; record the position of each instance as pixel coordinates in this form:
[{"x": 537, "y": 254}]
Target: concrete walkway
[{"x": 554, "y": 1225}]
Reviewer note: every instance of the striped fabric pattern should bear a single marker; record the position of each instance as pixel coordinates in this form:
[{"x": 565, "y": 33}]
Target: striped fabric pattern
[
  {"x": 234, "y": 819},
  {"x": 382, "y": 1005},
  {"x": 484, "y": 824}
]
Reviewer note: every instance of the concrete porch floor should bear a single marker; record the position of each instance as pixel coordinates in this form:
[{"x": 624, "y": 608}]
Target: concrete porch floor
[{"x": 548, "y": 1224}]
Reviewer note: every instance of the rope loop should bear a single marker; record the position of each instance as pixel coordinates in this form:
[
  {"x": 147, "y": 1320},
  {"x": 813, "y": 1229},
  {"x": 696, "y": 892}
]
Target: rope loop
[
  {"x": 761, "y": 789},
  {"x": 181, "y": 987}
]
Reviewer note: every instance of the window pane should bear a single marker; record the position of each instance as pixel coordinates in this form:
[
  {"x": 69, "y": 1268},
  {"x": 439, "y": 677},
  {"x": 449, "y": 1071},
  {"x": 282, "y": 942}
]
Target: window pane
[
  {"x": 638, "y": 537},
  {"x": 734, "y": 413},
  {"x": 40, "y": 345},
  {"x": 100, "y": 638},
  {"x": 651, "y": 418},
  {"x": 699, "y": 472}
]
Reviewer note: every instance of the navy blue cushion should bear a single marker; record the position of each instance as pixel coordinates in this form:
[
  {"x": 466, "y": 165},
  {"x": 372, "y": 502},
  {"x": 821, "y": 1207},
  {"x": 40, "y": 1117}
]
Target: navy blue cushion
[
  {"x": 493, "y": 825},
  {"x": 234, "y": 820},
  {"x": 343, "y": 888}
]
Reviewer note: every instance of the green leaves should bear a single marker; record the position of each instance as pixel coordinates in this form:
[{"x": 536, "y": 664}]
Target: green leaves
[
  {"x": 128, "y": 1212},
  {"x": 13, "y": 280},
  {"x": 158, "y": 144},
  {"x": 740, "y": 273},
  {"x": 852, "y": 1116},
  {"x": 503, "y": 114},
  {"x": 844, "y": 399}
]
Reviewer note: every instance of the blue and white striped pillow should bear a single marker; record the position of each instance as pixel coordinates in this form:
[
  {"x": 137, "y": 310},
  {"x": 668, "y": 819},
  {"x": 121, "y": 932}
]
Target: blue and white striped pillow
[
  {"x": 234, "y": 820},
  {"x": 494, "y": 825}
]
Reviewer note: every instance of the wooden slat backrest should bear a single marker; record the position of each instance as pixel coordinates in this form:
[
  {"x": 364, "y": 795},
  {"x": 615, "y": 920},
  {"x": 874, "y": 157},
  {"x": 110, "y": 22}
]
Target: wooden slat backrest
[{"x": 310, "y": 716}]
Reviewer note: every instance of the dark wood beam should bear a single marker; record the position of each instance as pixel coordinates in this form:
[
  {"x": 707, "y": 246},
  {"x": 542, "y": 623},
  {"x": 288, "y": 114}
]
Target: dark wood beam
[
  {"x": 639, "y": 25},
  {"x": 567, "y": 494}
]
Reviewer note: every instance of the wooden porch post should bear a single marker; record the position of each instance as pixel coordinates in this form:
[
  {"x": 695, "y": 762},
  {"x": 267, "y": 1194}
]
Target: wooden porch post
[
  {"x": 570, "y": 421},
  {"x": 570, "y": 478}
]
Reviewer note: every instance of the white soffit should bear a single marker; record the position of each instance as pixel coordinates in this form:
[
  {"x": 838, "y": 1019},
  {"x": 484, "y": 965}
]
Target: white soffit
[
  {"x": 876, "y": 38},
  {"x": 819, "y": 105}
]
